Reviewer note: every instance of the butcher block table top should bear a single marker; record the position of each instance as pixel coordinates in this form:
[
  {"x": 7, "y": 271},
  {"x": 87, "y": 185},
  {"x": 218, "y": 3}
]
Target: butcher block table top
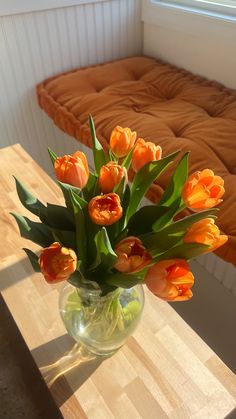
[{"x": 164, "y": 371}]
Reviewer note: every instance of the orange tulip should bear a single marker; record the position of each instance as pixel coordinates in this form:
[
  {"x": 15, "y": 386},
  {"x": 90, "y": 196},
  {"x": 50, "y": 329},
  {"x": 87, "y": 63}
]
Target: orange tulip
[
  {"x": 205, "y": 232},
  {"x": 203, "y": 190},
  {"x": 72, "y": 169},
  {"x": 105, "y": 209},
  {"x": 122, "y": 140},
  {"x": 145, "y": 152},
  {"x": 132, "y": 255},
  {"x": 170, "y": 280},
  {"x": 57, "y": 263},
  {"x": 110, "y": 175}
]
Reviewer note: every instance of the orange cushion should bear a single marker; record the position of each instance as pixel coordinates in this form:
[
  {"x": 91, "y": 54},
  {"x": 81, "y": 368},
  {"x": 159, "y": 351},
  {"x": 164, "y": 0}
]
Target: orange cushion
[{"x": 166, "y": 105}]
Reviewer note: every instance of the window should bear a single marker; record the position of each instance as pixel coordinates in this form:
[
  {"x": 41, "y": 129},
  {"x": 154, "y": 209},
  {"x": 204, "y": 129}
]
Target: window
[{"x": 224, "y": 8}]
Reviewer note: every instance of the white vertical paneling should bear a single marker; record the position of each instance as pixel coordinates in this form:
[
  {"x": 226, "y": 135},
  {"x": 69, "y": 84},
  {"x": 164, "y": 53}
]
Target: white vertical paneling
[
  {"x": 221, "y": 270},
  {"x": 37, "y": 45}
]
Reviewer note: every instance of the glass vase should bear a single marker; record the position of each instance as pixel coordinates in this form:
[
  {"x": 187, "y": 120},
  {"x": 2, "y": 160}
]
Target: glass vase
[{"x": 101, "y": 323}]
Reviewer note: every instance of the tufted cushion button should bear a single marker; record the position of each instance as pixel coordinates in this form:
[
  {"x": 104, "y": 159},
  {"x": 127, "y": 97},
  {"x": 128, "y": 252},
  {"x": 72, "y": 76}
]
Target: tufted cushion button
[{"x": 177, "y": 132}]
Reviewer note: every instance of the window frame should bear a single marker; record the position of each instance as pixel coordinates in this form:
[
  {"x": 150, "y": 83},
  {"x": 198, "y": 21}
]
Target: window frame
[{"x": 225, "y": 12}]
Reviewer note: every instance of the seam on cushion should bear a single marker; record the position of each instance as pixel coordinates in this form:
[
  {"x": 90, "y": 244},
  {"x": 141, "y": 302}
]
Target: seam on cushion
[
  {"x": 195, "y": 77},
  {"x": 186, "y": 73},
  {"x": 41, "y": 87},
  {"x": 58, "y": 113},
  {"x": 214, "y": 150},
  {"x": 52, "y": 107},
  {"x": 64, "y": 73}
]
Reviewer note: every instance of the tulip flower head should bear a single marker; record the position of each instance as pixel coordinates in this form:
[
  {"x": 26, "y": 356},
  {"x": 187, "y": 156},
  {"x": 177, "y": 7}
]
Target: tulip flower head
[
  {"x": 57, "y": 263},
  {"x": 203, "y": 190},
  {"x": 110, "y": 175},
  {"x": 105, "y": 209},
  {"x": 132, "y": 255},
  {"x": 205, "y": 232},
  {"x": 145, "y": 152},
  {"x": 121, "y": 141},
  {"x": 170, "y": 280},
  {"x": 72, "y": 169}
]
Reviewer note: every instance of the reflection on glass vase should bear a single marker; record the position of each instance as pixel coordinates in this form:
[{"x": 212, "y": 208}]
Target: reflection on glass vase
[{"x": 101, "y": 323}]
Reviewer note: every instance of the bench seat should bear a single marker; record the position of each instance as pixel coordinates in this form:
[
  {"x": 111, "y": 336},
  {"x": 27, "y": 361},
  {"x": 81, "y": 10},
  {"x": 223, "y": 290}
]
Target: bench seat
[{"x": 164, "y": 104}]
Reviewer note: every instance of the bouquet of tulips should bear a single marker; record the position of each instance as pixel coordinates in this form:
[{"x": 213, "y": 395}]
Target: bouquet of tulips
[{"x": 102, "y": 236}]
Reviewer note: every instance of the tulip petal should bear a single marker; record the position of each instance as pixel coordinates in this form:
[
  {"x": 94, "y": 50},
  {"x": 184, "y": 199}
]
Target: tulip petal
[
  {"x": 186, "y": 280},
  {"x": 186, "y": 296},
  {"x": 217, "y": 191}
]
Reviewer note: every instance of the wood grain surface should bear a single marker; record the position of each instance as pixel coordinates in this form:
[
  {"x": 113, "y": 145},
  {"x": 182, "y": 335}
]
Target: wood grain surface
[{"x": 164, "y": 371}]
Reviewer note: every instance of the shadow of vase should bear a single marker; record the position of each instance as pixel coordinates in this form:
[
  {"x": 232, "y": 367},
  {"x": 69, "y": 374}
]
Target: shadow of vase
[{"x": 65, "y": 366}]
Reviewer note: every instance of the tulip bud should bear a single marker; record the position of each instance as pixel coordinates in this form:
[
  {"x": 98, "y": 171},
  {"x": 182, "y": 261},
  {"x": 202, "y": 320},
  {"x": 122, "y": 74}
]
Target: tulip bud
[
  {"x": 110, "y": 175},
  {"x": 121, "y": 141},
  {"x": 205, "y": 232},
  {"x": 203, "y": 190},
  {"x": 57, "y": 263},
  {"x": 170, "y": 280},
  {"x": 72, "y": 169},
  {"x": 145, "y": 152},
  {"x": 132, "y": 255},
  {"x": 105, "y": 209}
]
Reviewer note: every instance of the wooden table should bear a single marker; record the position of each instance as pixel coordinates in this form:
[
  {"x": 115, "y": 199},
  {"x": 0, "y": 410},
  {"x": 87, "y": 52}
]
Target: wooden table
[{"x": 164, "y": 370}]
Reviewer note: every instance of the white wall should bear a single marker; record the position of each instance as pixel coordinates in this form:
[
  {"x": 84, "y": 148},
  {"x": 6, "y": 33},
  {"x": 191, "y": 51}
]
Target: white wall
[
  {"x": 37, "y": 45},
  {"x": 201, "y": 44}
]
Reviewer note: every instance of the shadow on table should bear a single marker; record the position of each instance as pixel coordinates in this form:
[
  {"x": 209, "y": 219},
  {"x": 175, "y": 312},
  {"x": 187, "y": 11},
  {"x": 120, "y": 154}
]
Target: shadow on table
[
  {"x": 66, "y": 366},
  {"x": 231, "y": 415},
  {"x": 13, "y": 274},
  {"x": 23, "y": 393}
]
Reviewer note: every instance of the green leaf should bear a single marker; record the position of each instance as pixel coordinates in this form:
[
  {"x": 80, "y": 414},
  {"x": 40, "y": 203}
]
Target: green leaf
[
  {"x": 128, "y": 159},
  {"x": 57, "y": 216},
  {"x": 166, "y": 218},
  {"x": 144, "y": 179},
  {"x": 33, "y": 258},
  {"x": 52, "y": 155},
  {"x": 29, "y": 201},
  {"x": 66, "y": 189},
  {"x": 141, "y": 222},
  {"x": 178, "y": 179},
  {"x": 120, "y": 188},
  {"x": 184, "y": 251},
  {"x": 91, "y": 189},
  {"x": 115, "y": 229},
  {"x": 106, "y": 257},
  {"x": 157, "y": 242},
  {"x": 31, "y": 230},
  {"x": 122, "y": 280},
  {"x": 112, "y": 157},
  {"x": 65, "y": 238},
  {"x": 76, "y": 279},
  {"x": 81, "y": 237},
  {"x": 98, "y": 152},
  {"x": 110, "y": 154},
  {"x": 183, "y": 224},
  {"x": 125, "y": 204},
  {"x": 91, "y": 231}
]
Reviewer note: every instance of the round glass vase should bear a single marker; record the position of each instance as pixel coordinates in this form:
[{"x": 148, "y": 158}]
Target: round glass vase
[{"x": 101, "y": 323}]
